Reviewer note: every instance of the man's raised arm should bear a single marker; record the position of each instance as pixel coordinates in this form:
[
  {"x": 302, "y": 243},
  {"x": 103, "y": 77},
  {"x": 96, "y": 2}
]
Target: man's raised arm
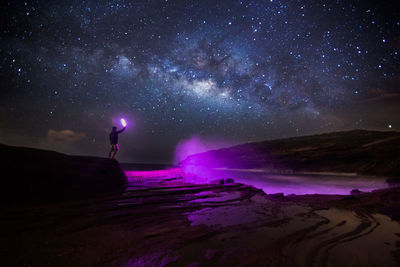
[{"x": 123, "y": 129}]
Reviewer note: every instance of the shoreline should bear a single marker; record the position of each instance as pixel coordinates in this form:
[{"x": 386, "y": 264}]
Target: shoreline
[{"x": 166, "y": 221}]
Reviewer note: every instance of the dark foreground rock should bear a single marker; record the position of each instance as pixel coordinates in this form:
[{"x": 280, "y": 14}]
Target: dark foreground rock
[
  {"x": 31, "y": 175},
  {"x": 60, "y": 210},
  {"x": 160, "y": 220}
]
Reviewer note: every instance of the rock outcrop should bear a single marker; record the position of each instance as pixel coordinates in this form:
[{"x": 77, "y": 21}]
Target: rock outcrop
[{"x": 38, "y": 175}]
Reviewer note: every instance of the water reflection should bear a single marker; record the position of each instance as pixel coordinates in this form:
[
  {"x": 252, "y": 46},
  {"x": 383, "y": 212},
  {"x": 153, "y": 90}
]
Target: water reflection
[
  {"x": 293, "y": 184},
  {"x": 269, "y": 183}
]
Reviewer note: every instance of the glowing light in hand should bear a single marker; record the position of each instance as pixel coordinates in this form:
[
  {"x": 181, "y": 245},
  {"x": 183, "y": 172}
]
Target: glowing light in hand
[{"x": 123, "y": 122}]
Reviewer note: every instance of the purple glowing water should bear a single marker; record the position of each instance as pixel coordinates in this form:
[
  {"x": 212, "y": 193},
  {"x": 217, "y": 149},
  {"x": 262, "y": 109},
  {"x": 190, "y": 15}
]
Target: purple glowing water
[
  {"x": 269, "y": 183},
  {"x": 202, "y": 169},
  {"x": 330, "y": 184}
]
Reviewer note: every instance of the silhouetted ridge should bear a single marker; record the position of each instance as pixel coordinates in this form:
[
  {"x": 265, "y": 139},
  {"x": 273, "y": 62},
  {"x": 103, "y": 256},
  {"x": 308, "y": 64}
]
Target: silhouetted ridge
[{"x": 357, "y": 151}]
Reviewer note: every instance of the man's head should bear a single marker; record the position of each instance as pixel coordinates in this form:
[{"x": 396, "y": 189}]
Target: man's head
[{"x": 114, "y": 128}]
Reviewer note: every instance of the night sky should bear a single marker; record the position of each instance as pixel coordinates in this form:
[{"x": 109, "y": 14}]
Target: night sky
[{"x": 224, "y": 71}]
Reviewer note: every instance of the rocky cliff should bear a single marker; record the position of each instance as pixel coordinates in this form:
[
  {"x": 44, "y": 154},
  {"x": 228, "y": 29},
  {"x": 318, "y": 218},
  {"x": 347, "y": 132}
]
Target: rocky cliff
[
  {"x": 38, "y": 175},
  {"x": 358, "y": 151}
]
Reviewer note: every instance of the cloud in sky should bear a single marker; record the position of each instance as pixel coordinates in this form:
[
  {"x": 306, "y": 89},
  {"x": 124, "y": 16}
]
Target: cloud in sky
[{"x": 64, "y": 136}]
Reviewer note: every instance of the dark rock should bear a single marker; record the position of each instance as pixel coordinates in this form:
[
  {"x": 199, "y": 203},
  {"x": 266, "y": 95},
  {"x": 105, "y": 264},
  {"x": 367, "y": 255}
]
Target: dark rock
[
  {"x": 349, "y": 198},
  {"x": 355, "y": 192},
  {"x": 393, "y": 181},
  {"x": 277, "y": 196},
  {"x": 226, "y": 181},
  {"x": 150, "y": 227},
  {"x": 145, "y": 166},
  {"x": 39, "y": 175},
  {"x": 229, "y": 181}
]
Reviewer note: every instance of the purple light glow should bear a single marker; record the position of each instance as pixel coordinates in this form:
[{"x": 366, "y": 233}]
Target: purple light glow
[
  {"x": 291, "y": 184},
  {"x": 206, "y": 168},
  {"x": 195, "y": 145},
  {"x": 156, "y": 174},
  {"x": 269, "y": 183},
  {"x": 123, "y": 122}
]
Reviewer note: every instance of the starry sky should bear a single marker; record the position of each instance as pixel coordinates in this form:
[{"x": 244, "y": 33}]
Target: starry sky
[{"x": 223, "y": 71}]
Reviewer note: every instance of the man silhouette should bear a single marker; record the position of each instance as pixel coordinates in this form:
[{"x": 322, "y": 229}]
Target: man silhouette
[{"x": 114, "y": 141}]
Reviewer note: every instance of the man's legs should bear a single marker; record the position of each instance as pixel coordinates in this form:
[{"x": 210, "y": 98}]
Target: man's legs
[
  {"x": 115, "y": 150},
  {"x": 111, "y": 150}
]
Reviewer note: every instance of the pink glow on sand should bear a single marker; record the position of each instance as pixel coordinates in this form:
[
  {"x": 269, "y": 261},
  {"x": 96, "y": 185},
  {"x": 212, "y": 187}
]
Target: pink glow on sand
[{"x": 123, "y": 122}]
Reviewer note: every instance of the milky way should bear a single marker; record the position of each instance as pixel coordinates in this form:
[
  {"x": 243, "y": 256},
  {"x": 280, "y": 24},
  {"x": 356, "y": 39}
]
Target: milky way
[{"x": 236, "y": 71}]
